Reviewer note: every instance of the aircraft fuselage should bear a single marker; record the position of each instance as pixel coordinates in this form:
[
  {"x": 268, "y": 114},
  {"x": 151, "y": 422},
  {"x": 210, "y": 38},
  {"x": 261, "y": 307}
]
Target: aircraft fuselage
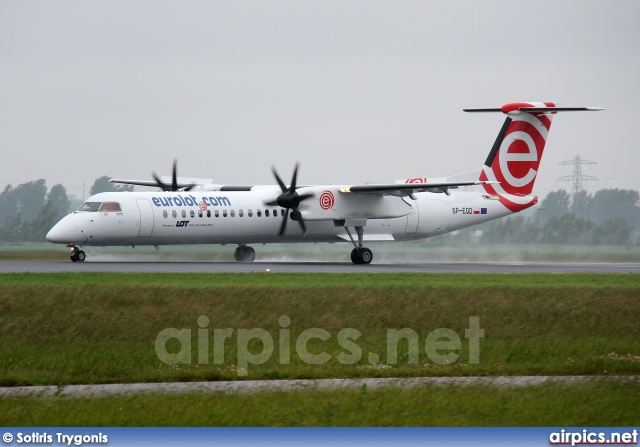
[{"x": 241, "y": 217}]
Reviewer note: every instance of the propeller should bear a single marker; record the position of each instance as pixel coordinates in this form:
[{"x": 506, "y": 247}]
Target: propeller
[
  {"x": 174, "y": 181},
  {"x": 290, "y": 200}
]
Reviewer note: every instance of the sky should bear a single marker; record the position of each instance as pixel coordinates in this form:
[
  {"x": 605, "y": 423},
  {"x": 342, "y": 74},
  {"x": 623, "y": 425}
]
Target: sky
[{"x": 356, "y": 91}]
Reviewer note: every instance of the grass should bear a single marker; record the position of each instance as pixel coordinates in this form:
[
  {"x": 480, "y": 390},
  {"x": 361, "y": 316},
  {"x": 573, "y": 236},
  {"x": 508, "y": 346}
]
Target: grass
[
  {"x": 594, "y": 403},
  {"x": 298, "y": 281},
  {"x": 101, "y": 328}
]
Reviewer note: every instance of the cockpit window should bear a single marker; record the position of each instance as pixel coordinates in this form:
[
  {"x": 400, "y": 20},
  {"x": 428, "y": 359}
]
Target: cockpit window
[
  {"x": 110, "y": 206},
  {"x": 90, "y": 206}
]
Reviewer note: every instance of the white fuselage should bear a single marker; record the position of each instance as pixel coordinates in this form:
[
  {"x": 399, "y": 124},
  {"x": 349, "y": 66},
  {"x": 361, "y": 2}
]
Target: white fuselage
[{"x": 241, "y": 217}]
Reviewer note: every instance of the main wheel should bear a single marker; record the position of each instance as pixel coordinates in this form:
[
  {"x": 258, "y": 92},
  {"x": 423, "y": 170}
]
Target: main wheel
[
  {"x": 365, "y": 255},
  {"x": 354, "y": 256},
  {"x": 81, "y": 256},
  {"x": 361, "y": 256},
  {"x": 249, "y": 254},
  {"x": 244, "y": 253}
]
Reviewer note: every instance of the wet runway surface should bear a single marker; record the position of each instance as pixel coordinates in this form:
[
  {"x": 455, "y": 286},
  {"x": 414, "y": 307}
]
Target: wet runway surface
[{"x": 316, "y": 267}]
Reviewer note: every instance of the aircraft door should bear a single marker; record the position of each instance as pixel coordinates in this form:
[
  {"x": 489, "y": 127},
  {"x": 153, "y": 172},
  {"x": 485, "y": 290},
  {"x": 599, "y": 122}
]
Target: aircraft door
[{"x": 145, "y": 226}]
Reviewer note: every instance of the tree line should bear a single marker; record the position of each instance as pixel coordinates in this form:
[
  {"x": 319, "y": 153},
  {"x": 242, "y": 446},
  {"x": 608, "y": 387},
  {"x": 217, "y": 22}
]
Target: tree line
[
  {"x": 28, "y": 211},
  {"x": 607, "y": 217}
]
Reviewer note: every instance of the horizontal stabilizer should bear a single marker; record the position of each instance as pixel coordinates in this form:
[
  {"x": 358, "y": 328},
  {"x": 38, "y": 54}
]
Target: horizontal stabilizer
[
  {"x": 521, "y": 107},
  {"x": 561, "y": 109}
]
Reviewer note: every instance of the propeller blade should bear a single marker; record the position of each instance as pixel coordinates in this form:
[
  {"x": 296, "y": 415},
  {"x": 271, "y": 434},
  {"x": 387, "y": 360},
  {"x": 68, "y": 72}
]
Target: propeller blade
[
  {"x": 174, "y": 177},
  {"x": 300, "y": 221},
  {"x": 159, "y": 182},
  {"x": 290, "y": 200},
  {"x": 174, "y": 181},
  {"x": 292, "y": 188},
  {"x": 283, "y": 225},
  {"x": 280, "y": 182}
]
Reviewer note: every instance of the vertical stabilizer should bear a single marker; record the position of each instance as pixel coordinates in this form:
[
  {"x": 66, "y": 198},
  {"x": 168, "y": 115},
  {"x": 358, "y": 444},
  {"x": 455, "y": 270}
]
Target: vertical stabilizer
[{"x": 515, "y": 157}]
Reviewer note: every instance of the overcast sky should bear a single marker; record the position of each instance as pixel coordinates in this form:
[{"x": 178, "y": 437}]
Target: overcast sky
[{"x": 357, "y": 91}]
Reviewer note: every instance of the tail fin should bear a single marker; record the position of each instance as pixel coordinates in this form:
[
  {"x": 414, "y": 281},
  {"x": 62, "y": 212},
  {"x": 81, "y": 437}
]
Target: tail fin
[{"x": 515, "y": 156}]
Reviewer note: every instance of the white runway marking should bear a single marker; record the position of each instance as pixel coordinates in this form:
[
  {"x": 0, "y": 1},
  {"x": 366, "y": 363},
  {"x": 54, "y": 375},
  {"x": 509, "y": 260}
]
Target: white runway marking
[{"x": 252, "y": 386}]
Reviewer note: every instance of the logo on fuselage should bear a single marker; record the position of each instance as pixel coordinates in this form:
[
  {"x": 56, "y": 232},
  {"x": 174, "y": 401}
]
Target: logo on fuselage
[
  {"x": 327, "y": 200},
  {"x": 182, "y": 223},
  {"x": 203, "y": 204}
]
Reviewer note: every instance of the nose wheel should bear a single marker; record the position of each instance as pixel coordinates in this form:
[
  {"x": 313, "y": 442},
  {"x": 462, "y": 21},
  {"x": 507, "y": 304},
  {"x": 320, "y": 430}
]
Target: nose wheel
[{"x": 77, "y": 255}]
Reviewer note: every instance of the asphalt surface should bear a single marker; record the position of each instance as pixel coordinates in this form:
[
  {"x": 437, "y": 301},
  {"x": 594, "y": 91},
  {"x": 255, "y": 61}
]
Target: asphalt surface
[
  {"x": 251, "y": 386},
  {"x": 316, "y": 267}
]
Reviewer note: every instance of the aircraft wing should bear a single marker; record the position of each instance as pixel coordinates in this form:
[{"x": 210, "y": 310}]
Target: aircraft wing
[
  {"x": 409, "y": 188},
  {"x": 135, "y": 182},
  {"x": 200, "y": 184}
]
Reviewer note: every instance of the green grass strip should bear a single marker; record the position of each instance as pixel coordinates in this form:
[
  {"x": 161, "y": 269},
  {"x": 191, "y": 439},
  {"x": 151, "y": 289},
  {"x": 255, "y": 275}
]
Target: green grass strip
[
  {"x": 597, "y": 403},
  {"x": 102, "y": 328},
  {"x": 315, "y": 280}
]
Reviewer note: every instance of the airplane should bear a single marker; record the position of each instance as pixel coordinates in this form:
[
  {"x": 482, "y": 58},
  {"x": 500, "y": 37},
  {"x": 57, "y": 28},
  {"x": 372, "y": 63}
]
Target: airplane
[{"x": 197, "y": 211}]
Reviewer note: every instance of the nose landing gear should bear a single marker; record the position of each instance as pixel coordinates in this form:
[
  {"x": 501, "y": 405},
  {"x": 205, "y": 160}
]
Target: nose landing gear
[{"x": 76, "y": 255}]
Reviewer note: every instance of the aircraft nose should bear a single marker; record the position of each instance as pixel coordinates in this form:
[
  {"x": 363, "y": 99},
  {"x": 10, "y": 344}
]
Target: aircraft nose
[{"x": 56, "y": 235}]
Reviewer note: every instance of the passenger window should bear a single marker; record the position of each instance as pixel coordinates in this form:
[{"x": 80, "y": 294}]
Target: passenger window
[
  {"x": 199, "y": 213},
  {"x": 259, "y": 213},
  {"x": 240, "y": 213},
  {"x": 249, "y": 213},
  {"x": 184, "y": 213},
  {"x": 192, "y": 213},
  {"x": 217, "y": 213},
  {"x": 208, "y": 213},
  {"x": 165, "y": 214},
  {"x": 233, "y": 213},
  {"x": 174, "y": 214},
  {"x": 224, "y": 213},
  {"x": 266, "y": 213},
  {"x": 275, "y": 213}
]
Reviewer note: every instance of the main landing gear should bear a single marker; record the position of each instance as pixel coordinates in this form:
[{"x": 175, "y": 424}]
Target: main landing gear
[
  {"x": 244, "y": 253},
  {"x": 76, "y": 255},
  {"x": 360, "y": 254}
]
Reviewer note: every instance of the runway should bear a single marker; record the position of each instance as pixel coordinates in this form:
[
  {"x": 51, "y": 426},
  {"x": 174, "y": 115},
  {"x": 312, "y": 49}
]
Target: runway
[{"x": 316, "y": 267}]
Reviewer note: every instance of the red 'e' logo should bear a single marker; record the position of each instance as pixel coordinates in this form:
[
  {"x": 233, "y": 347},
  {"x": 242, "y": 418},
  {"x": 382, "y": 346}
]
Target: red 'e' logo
[{"x": 327, "y": 200}]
